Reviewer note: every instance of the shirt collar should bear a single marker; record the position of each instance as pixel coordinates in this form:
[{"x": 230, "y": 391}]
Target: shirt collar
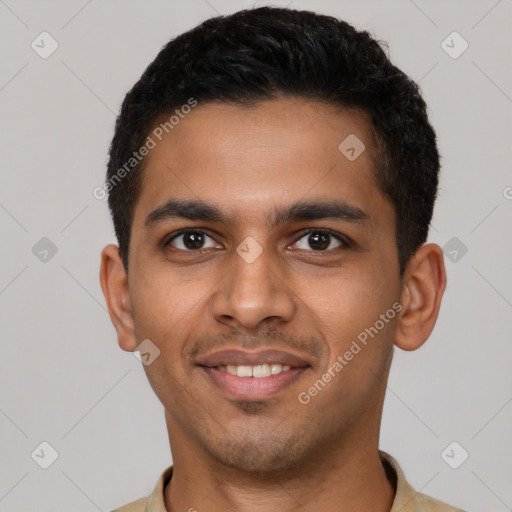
[{"x": 406, "y": 498}]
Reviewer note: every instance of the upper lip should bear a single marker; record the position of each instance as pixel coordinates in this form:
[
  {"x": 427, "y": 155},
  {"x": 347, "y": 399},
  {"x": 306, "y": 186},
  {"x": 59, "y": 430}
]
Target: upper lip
[{"x": 242, "y": 358}]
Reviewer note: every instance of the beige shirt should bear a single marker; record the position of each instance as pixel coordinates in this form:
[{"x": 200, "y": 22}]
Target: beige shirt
[{"x": 406, "y": 498}]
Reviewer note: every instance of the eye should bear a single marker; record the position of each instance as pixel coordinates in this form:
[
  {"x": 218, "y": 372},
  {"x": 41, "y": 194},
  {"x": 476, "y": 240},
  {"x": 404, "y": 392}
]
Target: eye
[
  {"x": 321, "y": 240},
  {"x": 191, "y": 240}
]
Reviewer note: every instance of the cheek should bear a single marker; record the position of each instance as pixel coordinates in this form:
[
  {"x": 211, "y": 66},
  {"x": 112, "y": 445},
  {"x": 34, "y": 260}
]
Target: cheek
[
  {"x": 163, "y": 310},
  {"x": 162, "y": 299},
  {"x": 360, "y": 311},
  {"x": 358, "y": 323}
]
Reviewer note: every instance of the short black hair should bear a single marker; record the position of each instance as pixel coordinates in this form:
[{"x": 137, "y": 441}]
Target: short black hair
[{"x": 267, "y": 53}]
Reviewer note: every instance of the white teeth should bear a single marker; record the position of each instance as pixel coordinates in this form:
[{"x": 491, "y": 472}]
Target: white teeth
[
  {"x": 262, "y": 370},
  {"x": 258, "y": 371},
  {"x": 244, "y": 371},
  {"x": 276, "y": 368},
  {"x": 230, "y": 368}
]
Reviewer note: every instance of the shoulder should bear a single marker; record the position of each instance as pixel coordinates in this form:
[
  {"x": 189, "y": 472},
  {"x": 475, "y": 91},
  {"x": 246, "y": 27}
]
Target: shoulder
[
  {"x": 139, "y": 505},
  {"x": 406, "y": 498},
  {"x": 428, "y": 504},
  {"x": 155, "y": 501}
]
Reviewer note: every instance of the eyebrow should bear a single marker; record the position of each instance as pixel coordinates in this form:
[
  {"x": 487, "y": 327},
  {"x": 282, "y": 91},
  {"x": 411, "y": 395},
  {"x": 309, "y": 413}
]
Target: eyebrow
[{"x": 199, "y": 210}]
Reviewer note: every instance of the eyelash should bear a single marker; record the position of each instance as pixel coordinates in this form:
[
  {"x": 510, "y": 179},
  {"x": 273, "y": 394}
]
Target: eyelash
[{"x": 345, "y": 241}]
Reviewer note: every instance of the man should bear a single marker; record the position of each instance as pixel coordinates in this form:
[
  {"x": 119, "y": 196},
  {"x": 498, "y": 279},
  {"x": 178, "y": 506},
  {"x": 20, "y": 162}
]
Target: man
[{"x": 271, "y": 179}]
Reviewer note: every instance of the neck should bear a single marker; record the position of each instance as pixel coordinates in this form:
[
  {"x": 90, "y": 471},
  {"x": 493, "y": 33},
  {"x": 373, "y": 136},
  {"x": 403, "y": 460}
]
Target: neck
[{"x": 352, "y": 479}]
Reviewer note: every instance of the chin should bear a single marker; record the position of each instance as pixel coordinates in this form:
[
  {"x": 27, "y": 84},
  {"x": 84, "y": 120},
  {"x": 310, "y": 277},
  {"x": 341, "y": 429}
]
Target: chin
[{"x": 266, "y": 456}]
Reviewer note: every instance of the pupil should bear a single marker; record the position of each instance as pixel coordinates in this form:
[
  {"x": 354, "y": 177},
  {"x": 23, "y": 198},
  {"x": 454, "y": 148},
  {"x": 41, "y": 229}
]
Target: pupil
[
  {"x": 318, "y": 241},
  {"x": 193, "y": 240}
]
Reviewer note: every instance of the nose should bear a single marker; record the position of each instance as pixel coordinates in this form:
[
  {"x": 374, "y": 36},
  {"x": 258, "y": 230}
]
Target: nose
[{"x": 253, "y": 294}]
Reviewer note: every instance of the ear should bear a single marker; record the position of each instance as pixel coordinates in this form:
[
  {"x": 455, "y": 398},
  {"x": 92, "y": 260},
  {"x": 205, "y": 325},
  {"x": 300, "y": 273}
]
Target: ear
[
  {"x": 423, "y": 286},
  {"x": 114, "y": 283}
]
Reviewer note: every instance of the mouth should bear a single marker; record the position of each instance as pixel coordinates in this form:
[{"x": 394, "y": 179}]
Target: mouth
[{"x": 253, "y": 376}]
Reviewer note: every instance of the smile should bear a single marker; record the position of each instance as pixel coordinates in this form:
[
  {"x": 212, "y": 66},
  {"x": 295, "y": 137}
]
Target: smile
[
  {"x": 258, "y": 371},
  {"x": 252, "y": 382}
]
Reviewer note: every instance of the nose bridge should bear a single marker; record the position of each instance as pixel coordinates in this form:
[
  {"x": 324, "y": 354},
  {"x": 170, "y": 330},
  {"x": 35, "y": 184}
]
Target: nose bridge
[
  {"x": 252, "y": 292},
  {"x": 251, "y": 278}
]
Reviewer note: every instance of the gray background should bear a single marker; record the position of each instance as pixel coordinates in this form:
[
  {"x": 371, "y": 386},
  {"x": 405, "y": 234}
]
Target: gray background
[{"x": 63, "y": 378}]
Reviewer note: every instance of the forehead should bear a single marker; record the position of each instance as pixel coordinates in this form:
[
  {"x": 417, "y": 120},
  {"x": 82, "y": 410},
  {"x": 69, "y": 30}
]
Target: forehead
[{"x": 250, "y": 160}]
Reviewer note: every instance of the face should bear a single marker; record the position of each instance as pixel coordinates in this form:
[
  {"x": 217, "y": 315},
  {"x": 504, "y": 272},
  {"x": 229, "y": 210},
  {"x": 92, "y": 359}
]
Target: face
[{"x": 257, "y": 245}]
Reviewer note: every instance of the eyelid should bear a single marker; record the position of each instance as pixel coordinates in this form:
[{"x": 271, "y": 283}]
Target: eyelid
[
  {"x": 345, "y": 240},
  {"x": 340, "y": 237},
  {"x": 175, "y": 234}
]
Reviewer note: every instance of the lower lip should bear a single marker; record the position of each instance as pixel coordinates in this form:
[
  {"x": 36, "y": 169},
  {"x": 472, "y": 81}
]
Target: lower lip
[{"x": 252, "y": 388}]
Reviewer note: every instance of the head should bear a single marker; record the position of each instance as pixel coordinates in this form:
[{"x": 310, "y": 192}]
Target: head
[{"x": 279, "y": 181}]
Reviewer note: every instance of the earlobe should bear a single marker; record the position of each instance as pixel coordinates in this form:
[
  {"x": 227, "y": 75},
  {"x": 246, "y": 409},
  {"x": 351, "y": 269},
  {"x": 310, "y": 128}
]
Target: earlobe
[
  {"x": 114, "y": 283},
  {"x": 423, "y": 287}
]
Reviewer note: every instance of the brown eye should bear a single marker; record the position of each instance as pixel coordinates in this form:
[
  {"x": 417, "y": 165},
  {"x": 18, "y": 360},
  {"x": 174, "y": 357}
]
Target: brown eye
[
  {"x": 191, "y": 241},
  {"x": 320, "y": 240}
]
